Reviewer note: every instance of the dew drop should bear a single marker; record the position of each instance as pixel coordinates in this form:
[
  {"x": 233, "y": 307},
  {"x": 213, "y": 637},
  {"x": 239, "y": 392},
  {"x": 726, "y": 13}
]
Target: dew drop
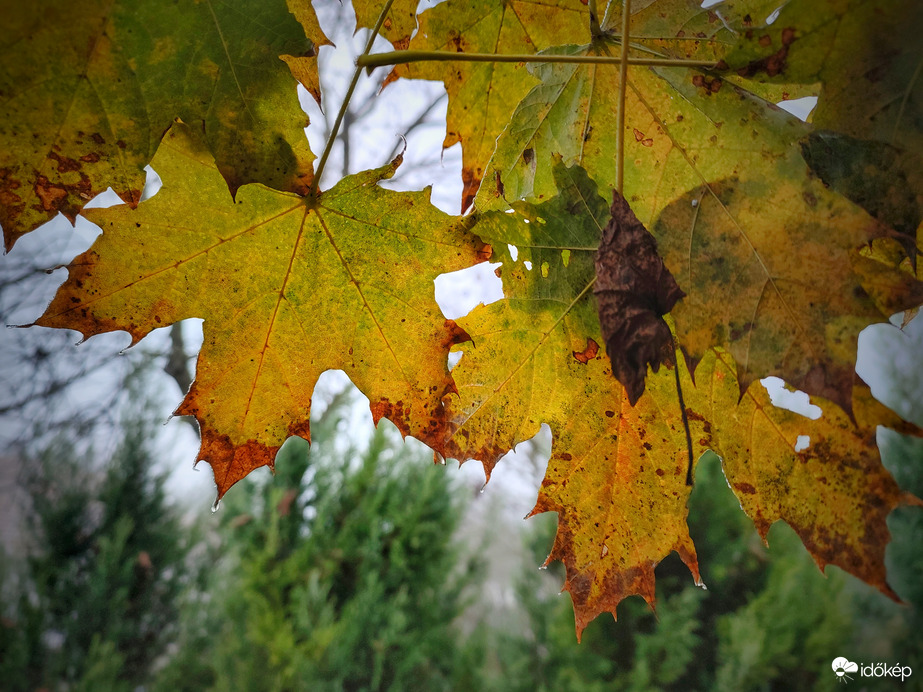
[{"x": 216, "y": 506}]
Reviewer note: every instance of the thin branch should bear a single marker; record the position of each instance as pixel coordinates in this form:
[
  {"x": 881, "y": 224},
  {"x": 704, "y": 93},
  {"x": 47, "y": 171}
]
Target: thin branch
[
  {"x": 419, "y": 122},
  {"x": 682, "y": 408},
  {"x": 399, "y": 57},
  {"x": 331, "y": 138},
  {"x": 623, "y": 87}
]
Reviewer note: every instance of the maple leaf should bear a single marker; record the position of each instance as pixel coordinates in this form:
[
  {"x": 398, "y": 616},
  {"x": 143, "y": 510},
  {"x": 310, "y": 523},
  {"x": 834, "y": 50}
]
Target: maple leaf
[
  {"x": 482, "y": 95},
  {"x": 289, "y": 287},
  {"x": 304, "y": 68},
  {"x": 617, "y": 472},
  {"x": 399, "y": 22},
  {"x": 718, "y": 177},
  {"x": 634, "y": 291},
  {"x": 617, "y": 475},
  {"x": 85, "y": 97},
  {"x": 866, "y": 53},
  {"x": 835, "y": 494},
  {"x": 867, "y": 57}
]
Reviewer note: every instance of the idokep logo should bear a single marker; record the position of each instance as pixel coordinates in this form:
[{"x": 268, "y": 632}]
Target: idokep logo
[{"x": 842, "y": 667}]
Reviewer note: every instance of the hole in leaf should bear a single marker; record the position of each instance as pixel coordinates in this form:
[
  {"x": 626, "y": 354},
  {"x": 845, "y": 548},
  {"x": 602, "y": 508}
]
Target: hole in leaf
[{"x": 789, "y": 399}]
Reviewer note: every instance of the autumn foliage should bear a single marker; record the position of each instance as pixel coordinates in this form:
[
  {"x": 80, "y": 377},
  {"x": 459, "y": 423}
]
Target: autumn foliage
[{"x": 785, "y": 240}]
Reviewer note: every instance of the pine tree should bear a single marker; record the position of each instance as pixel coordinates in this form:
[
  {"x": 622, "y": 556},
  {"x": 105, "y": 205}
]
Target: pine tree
[
  {"x": 96, "y": 602},
  {"x": 338, "y": 573}
]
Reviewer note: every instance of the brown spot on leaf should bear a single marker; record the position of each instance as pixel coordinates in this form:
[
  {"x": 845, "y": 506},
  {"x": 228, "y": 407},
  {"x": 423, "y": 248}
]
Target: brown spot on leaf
[
  {"x": 639, "y": 137},
  {"x": 587, "y": 354},
  {"x": 65, "y": 164},
  {"x": 50, "y": 195},
  {"x": 711, "y": 85},
  {"x": 773, "y": 64},
  {"x": 470, "y": 183},
  {"x": 453, "y": 334}
]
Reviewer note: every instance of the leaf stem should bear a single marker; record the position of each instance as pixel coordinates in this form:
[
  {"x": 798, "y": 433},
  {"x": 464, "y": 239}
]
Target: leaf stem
[
  {"x": 682, "y": 408},
  {"x": 331, "y": 137},
  {"x": 400, "y": 57},
  {"x": 594, "y": 20},
  {"x": 623, "y": 86}
]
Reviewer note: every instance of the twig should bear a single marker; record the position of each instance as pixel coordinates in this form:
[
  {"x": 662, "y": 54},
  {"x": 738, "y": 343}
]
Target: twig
[
  {"x": 623, "y": 86},
  {"x": 331, "y": 138},
  {"x": 682, "y": 408},
  {"x": 400, "y": 57}
]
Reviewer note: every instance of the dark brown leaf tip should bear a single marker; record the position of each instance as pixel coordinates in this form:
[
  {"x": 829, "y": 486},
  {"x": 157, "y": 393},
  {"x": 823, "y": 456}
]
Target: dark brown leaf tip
[{"x": 634, "y": 290}]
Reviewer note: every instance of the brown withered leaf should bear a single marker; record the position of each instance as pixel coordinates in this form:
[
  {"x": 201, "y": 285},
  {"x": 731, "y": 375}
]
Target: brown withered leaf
[{"x": 634, "y": 290}]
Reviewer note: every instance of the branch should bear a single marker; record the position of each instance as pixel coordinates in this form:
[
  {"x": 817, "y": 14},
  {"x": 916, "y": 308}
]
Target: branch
[
  {"x": 419, "y": 122},
  {"x": 623, "y": 87},
  {"x": 176, "y": 365},
  {"x": 331, "y": 138},
  {"x": 399, "y": 57}
]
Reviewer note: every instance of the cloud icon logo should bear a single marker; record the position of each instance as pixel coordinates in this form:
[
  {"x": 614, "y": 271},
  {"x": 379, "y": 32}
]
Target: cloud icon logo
[{"x": 841, "y": 666}]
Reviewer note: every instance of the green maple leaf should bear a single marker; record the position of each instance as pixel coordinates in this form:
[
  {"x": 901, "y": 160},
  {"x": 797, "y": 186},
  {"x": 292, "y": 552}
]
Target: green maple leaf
[
  {"x": 866, "y": 53},
  {"x": 482, "y": 95},
  {"x": 717, "y": 175},
  {"x": 85, "y": 96}
]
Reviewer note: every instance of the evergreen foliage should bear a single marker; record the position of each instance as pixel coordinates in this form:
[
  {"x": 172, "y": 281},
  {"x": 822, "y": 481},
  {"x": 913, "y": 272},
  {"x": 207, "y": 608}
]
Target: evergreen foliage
[
  {"x": 769, "y": 620},
  {"x": 96, "y": 601},
  {"x": 338, "y": 573}
]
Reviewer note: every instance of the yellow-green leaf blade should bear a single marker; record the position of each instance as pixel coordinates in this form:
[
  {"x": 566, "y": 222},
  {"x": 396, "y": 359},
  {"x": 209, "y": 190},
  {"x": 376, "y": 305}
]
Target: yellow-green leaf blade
[
  {"x": 617, "y": 473},
  {"x": 835, "y": 493},
  {"x": 287, "y": 289},
  {"x": 482, "y": 95},
  {"x": 718, "y": 177}
]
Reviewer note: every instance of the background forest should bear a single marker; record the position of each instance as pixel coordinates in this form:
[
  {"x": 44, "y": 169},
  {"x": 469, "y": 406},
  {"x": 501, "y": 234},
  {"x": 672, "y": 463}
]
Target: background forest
[{"x": 361, "y": 565}]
